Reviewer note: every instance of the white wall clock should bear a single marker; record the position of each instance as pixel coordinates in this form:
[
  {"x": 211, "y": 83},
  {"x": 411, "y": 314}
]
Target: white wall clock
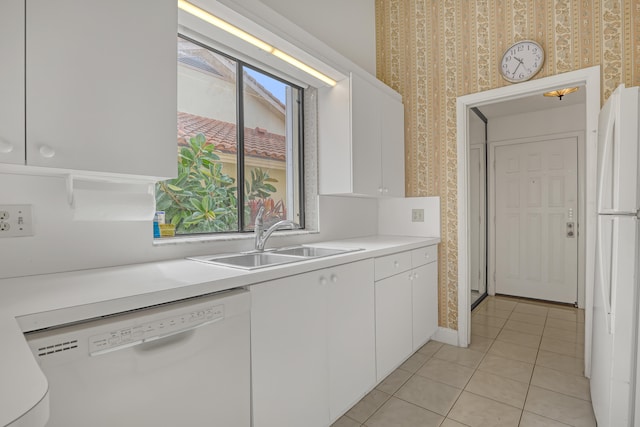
[{"x": 521, "y": 61}]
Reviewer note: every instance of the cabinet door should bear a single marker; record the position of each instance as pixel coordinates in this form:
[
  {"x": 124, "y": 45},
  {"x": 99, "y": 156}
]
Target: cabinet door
[
  {"x": 101, "y": 85},
  {"x": 352, "y": 363},
  {"x": 365, "y": 129},
  {"x": 425, "y": 303},
  {"x": 392, "y": 146},
  {"x": 289, "y": 352},
  {"x": 394, "y": 337},
  {"x": 12, "y": 81}
]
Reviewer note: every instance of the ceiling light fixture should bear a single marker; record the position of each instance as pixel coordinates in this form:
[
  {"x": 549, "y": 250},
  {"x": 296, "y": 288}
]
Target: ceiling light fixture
[
  {"x": 561, "y": 92},
  {"x": 243, "y": 35}
]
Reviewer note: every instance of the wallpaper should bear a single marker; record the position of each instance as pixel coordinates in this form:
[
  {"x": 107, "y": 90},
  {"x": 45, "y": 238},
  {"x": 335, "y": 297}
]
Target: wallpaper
[{"x": 432, "y": 51}]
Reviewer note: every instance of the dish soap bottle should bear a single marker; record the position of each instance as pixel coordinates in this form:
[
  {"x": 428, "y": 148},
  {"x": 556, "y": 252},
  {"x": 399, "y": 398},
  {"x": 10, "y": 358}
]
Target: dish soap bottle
[{"x": 158, "y": 219}]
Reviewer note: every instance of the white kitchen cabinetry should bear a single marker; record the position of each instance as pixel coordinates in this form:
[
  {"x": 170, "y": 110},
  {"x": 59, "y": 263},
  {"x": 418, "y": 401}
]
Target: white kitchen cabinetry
[
  {"x": 100, "y": 86},
  {"x": 352, "y": 348},
  {"x": 406, "y": 296},
  {"x": 361, "y": 134},
  {"x": 12, "y": 81},
  {"x": 394, "y": 330},
  {"x": 312, "y": 345},
  {"x": 425, "y": 294}
]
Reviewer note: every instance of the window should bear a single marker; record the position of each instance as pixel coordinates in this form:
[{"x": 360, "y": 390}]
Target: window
[{"x": 234, "y": 120}]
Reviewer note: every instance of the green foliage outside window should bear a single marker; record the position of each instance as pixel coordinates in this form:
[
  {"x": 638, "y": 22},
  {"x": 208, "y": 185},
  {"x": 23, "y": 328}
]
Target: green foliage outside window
[{"x": 202, "y": 199}]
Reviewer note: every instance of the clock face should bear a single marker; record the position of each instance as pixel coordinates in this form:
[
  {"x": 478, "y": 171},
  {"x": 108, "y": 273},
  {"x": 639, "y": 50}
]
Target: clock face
[{"x": 522, "y": 61}]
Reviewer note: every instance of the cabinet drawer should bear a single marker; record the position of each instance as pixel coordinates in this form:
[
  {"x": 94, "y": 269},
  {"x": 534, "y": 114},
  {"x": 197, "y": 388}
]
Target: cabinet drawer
[
  {"x": 424, "y": 255},
  {"x": 390, "y": 265}
]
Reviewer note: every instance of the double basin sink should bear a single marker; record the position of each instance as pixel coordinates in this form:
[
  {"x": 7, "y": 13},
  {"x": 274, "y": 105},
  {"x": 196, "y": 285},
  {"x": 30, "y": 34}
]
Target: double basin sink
[{"x": 254, "y": 260}]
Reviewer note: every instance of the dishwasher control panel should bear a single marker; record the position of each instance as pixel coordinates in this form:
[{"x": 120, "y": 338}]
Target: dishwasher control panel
[{"x": 154, "y": 330}]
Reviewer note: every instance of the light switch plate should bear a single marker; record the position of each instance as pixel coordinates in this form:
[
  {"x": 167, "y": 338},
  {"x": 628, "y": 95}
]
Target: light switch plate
[
  {"x": 16, "y": 221},
  {"x": 417, "y": 215}
]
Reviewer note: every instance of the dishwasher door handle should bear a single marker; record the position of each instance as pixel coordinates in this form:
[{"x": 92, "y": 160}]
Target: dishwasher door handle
[{"x": 153, "y": 338}]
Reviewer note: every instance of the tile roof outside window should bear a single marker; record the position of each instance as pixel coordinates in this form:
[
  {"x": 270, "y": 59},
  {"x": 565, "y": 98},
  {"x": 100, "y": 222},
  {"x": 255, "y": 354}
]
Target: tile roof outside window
[{"x": 258, "y": 142}]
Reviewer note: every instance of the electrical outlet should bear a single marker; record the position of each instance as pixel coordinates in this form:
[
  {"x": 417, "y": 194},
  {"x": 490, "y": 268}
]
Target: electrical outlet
[
  {"x": 16, "y": 221},
  {"x": 417, "y": 215}
]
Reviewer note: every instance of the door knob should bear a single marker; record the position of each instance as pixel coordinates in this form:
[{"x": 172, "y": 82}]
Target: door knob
[{"x": 570, "y": 229}]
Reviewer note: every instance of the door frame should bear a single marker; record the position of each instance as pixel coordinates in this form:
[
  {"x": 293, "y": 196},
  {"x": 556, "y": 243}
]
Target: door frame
[
  {"x": 491, "y": 204},
  {"x": 589, "y": 78}
]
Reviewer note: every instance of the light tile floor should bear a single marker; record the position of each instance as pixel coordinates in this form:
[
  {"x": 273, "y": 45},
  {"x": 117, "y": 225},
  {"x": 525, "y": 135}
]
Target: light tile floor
[{"x": 524, "y": 367}]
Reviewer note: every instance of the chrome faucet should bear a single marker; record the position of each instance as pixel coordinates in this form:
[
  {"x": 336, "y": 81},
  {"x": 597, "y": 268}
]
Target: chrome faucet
[{"x": 262, "y": 235}]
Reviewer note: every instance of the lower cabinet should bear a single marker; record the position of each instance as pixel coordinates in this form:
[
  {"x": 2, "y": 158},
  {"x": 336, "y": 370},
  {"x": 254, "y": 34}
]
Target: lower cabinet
[
  {"x": 406, "y": 295},
  {"x": 312, "y": 345},
  {"x": 425, "y": 303},
  {"x": 393, "y": 323}
]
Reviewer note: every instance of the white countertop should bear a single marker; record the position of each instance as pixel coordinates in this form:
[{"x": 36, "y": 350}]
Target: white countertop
[{"x": 36, "y": 302}]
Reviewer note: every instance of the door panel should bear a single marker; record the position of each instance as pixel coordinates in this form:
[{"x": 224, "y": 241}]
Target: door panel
[
  {"x": 614, "y": 314},
  {"x": 535, "y": 199},
  {"x": 618, "y": 136}
]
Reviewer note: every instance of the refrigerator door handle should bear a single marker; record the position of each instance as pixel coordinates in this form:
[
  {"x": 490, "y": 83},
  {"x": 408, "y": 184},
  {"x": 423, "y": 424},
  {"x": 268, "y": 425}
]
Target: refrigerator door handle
[
  {"x": 605, "y": 283},
  {"x": 606, "y": 152}
]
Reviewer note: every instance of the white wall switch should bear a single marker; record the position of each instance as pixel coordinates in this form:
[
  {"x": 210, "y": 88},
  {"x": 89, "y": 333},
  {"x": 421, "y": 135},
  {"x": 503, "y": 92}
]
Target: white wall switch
[
  {"x": 417, "y": 215},
  {"x": 16, "y": 221}
]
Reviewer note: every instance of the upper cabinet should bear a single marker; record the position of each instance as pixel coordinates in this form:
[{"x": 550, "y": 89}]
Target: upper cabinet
[
  {"x": 100, "y": 85},
  {"x": 12, "y": 81},
  {"x": 361, "y": 139}
]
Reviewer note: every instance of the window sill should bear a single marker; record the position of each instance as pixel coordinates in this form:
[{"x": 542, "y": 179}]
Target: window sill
[{"x": 165, "y": 241}]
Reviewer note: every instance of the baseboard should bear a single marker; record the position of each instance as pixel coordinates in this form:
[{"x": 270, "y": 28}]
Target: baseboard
[{"x": 446, "y": 335}]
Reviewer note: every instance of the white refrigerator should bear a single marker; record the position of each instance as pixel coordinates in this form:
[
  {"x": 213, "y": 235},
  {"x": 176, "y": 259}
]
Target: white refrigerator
[{"x": 615, "y": 362}]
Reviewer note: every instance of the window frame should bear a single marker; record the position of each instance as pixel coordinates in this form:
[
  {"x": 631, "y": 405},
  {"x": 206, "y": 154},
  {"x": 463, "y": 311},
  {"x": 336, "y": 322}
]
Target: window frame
[{"x": 240, "y": 65}]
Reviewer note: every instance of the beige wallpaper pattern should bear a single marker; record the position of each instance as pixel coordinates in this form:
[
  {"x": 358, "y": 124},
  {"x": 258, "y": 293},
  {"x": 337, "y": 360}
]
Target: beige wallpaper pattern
[{"x": 432, "y": 51}]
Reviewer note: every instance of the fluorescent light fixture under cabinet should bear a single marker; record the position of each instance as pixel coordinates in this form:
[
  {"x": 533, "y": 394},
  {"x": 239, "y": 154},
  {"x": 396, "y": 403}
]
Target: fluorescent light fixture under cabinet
[{"x": 223, "y": 25}]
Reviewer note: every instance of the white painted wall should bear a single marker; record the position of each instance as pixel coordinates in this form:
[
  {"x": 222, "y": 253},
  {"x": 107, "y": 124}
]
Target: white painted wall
[
  {"x": 544, "y": 122},
  {"x": 346, "y": 26},
  {"x": 394, "y": 216}
]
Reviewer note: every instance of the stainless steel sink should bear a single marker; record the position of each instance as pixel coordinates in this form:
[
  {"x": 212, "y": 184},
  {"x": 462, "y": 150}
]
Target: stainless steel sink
[
  {"x": 311, "y": 251},
  {"x": 254, "y": 260},
  {"x": 248, "y": 261}
]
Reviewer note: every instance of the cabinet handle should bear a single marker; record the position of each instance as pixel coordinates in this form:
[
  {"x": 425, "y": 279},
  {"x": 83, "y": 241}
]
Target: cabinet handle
[
  {"x": 47, "y": 152},
  {"x": 385, "y": 190},
  {"x": 396, "y": 264},
  {"x": 380, "y": 190},
  {"x": 334, "y": 278},
  {"x": 323, "y": 280},
  {"x": 415, "y": 275},
  {"x": 5, "y": 147}
]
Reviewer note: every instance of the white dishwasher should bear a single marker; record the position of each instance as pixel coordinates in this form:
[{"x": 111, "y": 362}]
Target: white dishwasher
[{"x": 184, "y": 363}]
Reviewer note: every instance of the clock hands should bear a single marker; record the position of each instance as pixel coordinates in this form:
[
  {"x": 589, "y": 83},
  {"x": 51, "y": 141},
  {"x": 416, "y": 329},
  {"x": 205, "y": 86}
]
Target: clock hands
[{"x": 520, "y": 62}]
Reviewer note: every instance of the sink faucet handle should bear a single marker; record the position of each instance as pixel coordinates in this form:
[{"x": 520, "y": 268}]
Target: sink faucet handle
[{"x": 259, "y": 215}]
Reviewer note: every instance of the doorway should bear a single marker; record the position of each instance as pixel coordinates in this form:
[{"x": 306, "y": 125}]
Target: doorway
[
  {"x": 589, "y": 81},
  {"x": 535, "y": 206}
]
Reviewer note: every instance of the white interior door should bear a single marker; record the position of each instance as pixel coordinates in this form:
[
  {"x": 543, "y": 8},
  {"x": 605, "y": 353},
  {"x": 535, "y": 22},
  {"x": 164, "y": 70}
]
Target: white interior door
[
  {"x": 477, "y": 247},
  {"x": 536, "y": 242}
]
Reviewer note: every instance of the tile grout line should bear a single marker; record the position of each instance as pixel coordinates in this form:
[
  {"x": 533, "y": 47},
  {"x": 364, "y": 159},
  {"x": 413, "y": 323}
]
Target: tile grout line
[{"x": 535, "y": 363}]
